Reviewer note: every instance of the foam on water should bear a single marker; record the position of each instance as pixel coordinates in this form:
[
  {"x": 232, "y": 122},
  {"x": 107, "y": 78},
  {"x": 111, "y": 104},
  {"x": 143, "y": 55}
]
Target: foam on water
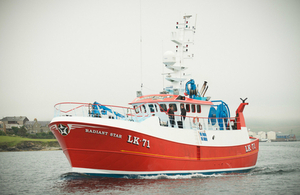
[
  {"x": 76, "y": 176},
  {"x": 196, "y": 175}
]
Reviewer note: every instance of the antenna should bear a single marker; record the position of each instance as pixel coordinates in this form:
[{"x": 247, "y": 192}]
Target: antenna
[
  {"x": 141, "y": 46},
  {"x": 195, "y": 22},
  {"x": 162, "y": 53},
  {"x": 243, "y": 100}
]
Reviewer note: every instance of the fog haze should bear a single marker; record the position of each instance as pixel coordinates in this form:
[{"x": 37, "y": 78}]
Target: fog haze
[{"x": 86, "y": 51}]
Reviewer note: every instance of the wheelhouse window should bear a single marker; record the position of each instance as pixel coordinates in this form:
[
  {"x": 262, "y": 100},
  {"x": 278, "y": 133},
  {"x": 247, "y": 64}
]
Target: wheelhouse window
[
  {"x": 174, "y": 107},
  {"x": 163, "y": 107},
  {"x": 193, "y": 108},
  {"x": 198, "y": 108},
  {"x": 143, "y": 108},
  {"x": 151, "y": 107},
  {"x": 136, "y": 109},
  {"x": 156, "y": 107},
  {"x": 187, "y": 107}
]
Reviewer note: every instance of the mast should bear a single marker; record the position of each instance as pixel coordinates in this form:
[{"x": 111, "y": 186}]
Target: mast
[{"x": 183, "y": 37}]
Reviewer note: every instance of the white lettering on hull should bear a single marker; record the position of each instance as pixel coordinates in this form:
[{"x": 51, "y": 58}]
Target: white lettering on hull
[
  {"x": 115, "y": 135},
  {"x": 96, "y": 132},
  {"x": 103, "y": 133},
  {"x": 136, "y": 140},
  {"x": 249, "y": 147}
]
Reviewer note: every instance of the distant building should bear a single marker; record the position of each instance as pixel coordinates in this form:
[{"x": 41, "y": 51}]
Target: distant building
[
  {"x": 271, "y": 135},
  {"x": 293, "y": 137},
  {"x": 285, "y": 137},
  {"x": 261, "y": 135},
  {"x": 37, "y": 126},
  {"x": 252, "y": 134},
  {"x": 14, "y": 121},
  {"x": 2, "y": 127},
  {"x": 282, "y": 137}
]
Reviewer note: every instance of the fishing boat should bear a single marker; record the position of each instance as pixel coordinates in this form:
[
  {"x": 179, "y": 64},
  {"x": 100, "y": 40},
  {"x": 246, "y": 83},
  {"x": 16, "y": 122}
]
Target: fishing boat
[{"x": 178, "y": 131}]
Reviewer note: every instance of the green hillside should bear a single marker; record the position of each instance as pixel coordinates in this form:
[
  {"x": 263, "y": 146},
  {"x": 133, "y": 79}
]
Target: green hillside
[{"x": 16, "y": 143}]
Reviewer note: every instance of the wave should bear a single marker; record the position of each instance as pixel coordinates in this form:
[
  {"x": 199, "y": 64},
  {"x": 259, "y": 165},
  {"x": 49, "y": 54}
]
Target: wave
[
  {"x": 80, "y": 176},
  {"x": 264, "y": 170},
  {"x": 274, "y": 170},
  {"x": 181, "y": 176},
  {"x": 74, "y": 176}
]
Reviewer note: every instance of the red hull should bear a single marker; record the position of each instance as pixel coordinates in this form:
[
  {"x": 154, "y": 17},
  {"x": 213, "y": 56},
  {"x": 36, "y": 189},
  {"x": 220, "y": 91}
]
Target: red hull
[{"x": 115, "y": 149}]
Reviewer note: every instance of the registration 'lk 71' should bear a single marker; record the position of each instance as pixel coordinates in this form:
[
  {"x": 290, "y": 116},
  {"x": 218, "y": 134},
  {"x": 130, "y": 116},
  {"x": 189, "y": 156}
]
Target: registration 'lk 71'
[
  {"x": 250, "y": 147},
  {"x": 137, "y": 141}
]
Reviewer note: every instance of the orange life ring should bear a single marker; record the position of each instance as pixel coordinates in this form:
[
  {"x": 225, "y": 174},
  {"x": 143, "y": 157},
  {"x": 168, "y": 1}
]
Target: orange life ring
[{"x": 195, "y": 120}]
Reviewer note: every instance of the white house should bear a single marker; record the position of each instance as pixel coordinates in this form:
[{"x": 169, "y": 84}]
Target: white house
[{"x": 271, "y": 135}]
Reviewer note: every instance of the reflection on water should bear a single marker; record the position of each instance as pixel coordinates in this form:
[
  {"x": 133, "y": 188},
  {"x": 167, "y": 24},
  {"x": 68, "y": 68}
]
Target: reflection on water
[
  {"x": 73, "y": 183},
  {"x": 81, "y": 183}
]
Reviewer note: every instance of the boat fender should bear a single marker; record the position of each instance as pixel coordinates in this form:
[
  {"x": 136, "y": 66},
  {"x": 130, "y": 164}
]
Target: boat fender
[{"x": 200, "y": 126}]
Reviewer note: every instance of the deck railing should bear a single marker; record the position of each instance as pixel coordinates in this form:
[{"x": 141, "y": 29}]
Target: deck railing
[
  {"x": 86, "y": 110},
  {"x": 203, "y": 123},
  {"x": 72, "y": 109}
]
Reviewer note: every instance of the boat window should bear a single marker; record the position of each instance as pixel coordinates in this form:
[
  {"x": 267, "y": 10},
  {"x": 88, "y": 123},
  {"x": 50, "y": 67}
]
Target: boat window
[
  {"x": 187, "y": 107},
  {"x": 198, "y": 108},
  {"x": 136, "y": 109},
  {"x": 174, "y": 107},
  {"x": 144, "y": 108},
  {"x": 163, "y": 107},
  {"x": 156, "y": 107},
  {"x": 151, "y": 107},
  {"x": 193, "y": 107}
]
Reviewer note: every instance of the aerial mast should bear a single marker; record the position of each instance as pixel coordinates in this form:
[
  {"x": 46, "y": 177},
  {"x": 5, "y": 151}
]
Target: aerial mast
[{"x": 183, "y": 37}]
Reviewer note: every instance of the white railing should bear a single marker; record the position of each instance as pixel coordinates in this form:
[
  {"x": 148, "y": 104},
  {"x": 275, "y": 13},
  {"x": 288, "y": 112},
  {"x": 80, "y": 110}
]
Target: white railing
[
  {"x": 204, "y": 123},
  {"x": 138, "y": 114},
  {"x": 86, "y": 110}
]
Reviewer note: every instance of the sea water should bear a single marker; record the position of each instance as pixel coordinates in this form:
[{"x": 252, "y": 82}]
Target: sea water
[{"x": 48, "y": 172}]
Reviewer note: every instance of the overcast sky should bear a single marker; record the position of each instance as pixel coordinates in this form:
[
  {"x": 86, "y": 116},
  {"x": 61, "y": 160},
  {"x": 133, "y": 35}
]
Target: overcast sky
[{"x": 56, "y": 51}]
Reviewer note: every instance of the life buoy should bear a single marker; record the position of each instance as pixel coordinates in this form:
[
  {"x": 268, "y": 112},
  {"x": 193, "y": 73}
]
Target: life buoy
[{"x": 195, "y": 120}]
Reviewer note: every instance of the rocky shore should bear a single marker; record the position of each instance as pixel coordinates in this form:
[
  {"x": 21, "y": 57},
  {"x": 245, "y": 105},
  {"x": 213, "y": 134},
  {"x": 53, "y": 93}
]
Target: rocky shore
[{"x": 31, "y": 146}]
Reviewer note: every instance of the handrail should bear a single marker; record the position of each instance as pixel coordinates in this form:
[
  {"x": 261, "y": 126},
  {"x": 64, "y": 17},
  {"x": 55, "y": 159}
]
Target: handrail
[
  {"x": 130, "y": 114},
  {"x": 85, "y": 105},
  {"x": 71, "y": 109}
]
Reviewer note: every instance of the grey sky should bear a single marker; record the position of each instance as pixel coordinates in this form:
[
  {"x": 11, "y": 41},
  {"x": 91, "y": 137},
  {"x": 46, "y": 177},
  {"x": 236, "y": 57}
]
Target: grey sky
[{"x": 56, "y": 51}]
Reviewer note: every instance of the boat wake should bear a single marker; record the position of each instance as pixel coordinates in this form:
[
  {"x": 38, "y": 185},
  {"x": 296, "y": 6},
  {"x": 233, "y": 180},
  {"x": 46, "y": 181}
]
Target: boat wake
[
  {"x": 77, "y": 182},
  {"x": 74, "y": 176},
  {"x": 264, "y": 170},
  {"x": 274, "y": 170},
  {"x": 181, "y": 176},
  {"x": 79, "y": 176}
]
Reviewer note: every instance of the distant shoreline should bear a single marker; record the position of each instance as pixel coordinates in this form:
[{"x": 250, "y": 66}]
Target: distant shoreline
[
  {"x": 11, "y": 144},
  {"x": 279, "y": 141},
  {"x": 13, "y": 149}
]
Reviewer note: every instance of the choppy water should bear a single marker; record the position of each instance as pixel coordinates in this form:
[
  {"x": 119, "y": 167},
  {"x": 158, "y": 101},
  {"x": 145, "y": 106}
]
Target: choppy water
[{"x": 47, "y": 172}]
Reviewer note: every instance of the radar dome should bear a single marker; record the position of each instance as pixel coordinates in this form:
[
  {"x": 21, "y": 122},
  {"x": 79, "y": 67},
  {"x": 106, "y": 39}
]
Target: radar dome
[{"x": 169, "y": 58}]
